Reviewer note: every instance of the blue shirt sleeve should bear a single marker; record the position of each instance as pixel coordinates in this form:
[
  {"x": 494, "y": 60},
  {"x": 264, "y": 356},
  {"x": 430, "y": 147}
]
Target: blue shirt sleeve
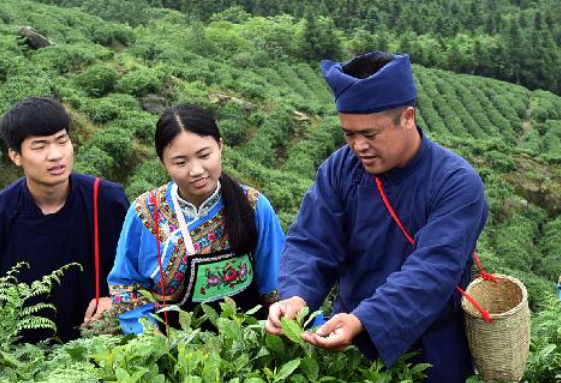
[
  {"x": 315, "y": 244},
  {"x": 269, "y": 245},
  {"x": 403, "y": 308},
  {"x": 126, "y": 277}
]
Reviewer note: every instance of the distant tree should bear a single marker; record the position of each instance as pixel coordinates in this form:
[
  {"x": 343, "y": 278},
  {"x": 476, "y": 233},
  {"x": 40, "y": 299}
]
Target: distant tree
[
  {"x": 319, "y": 38},
  {"x": 517, "y": 48},
  {"x": 132, "y": 12},
  {"x": 262, "y": 8},
  {"x": 236, "y": 14},
  {"x": 538, "y": 22},
  {"x": 382, "y": 40},
  {"x": 361, "y": 41}
]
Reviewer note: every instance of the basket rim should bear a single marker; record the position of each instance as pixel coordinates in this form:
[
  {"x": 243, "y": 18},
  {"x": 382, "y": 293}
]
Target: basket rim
[{"x": 514, "y": 310}]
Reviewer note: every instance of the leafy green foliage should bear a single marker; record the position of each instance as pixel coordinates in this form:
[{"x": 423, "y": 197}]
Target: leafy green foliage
[
  {"x": 17, "y": 315},
  {"x": 142, "y": 81},
  {"x": 65, "y": 58},
  {"x": 97, "y": 80},
  {"x": 544, "y": 363},
  {"x": 107, "y": 108},
  {"x": 238, "y": 351}
]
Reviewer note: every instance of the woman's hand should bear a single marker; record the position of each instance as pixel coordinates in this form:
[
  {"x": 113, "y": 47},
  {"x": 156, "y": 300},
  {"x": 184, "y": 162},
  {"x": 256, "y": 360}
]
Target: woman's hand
[{"x": 94, "y": 312}]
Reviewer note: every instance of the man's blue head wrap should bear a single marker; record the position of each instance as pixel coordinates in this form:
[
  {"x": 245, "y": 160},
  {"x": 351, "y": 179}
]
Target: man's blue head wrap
[{"x": 390, "y": 87}]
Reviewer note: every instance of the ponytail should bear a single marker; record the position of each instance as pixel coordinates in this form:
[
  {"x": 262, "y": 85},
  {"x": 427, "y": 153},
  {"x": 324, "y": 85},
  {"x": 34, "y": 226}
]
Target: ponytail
[{"x": 239, "y": 217}]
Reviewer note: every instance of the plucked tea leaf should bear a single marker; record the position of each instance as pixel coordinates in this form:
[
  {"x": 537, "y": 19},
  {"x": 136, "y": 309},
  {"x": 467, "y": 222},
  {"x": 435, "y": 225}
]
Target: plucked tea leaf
[
  {"x": 292, "y": 330},
  {"x": 302, "y": 314}
]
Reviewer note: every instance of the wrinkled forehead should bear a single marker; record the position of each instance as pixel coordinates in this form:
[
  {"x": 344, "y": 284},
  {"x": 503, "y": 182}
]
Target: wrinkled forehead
[{"x": 365, "y": 122}]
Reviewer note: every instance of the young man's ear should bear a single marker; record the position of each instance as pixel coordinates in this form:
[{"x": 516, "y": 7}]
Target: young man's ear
[{"x": 15, "y": 157}]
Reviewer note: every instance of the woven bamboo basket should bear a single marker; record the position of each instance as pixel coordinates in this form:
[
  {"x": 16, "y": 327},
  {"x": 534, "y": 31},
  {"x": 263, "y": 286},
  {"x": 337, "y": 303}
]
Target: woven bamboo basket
[{"x": 499, "y": 348}]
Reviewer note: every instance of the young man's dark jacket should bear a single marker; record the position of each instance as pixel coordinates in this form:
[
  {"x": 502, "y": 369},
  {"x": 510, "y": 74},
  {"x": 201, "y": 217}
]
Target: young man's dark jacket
[{"x": 48, "y": 242}]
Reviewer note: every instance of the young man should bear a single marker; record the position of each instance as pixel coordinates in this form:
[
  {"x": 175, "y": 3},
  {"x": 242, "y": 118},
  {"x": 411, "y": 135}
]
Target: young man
[
  {"x": 47, "y": 217},
  {"x": 394, "y": 219}
]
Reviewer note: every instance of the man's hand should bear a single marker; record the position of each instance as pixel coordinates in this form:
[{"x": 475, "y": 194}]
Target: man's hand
[
  {"x": 287, "y": 308},
  {"x": 94, "y": 313},
  {"x": 335, "y": 334}
]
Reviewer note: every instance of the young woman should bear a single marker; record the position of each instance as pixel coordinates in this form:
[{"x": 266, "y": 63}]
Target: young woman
[{"x": 215, "y": 238}]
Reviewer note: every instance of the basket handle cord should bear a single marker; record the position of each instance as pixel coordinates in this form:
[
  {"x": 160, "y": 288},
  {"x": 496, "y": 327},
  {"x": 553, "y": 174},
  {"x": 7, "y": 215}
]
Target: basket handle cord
[
  {"x": 486, "y": 276},
  {"x": 154, "y": 202}
]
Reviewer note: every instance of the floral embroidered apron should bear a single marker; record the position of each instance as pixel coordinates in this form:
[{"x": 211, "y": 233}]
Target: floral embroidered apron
[{"x": 211, "y": 277}]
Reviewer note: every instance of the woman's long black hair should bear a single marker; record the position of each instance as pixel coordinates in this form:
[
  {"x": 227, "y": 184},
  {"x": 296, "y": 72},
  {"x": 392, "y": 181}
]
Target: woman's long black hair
[{"x": 239, "y": 215}]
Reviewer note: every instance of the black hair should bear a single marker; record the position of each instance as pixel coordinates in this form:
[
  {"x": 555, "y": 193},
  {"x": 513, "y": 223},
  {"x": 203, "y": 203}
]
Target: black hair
[
  {"x": 239, "y": 215},
  {"x": 366, "y": 65},
  {"x": 34, "y": 116}
]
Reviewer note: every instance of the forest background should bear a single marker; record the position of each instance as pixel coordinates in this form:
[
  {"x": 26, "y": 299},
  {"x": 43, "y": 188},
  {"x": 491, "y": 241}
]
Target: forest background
[{"x": 488, "y": 74}]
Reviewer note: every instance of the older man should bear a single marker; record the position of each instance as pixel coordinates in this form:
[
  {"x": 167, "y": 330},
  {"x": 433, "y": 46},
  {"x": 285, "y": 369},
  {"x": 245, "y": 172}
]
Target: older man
[{"x": 393, "y": 218}]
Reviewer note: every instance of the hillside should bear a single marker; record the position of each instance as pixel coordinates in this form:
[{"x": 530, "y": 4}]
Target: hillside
[{"x": 512, "y": 40}]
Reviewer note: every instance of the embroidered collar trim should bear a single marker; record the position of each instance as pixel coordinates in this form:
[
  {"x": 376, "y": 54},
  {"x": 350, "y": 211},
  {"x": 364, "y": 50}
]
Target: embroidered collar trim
[{"x": 190, "y": 211}]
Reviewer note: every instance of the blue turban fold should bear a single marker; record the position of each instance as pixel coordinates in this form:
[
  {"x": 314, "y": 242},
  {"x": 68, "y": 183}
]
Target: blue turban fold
[{"x": 390, "y": 87}]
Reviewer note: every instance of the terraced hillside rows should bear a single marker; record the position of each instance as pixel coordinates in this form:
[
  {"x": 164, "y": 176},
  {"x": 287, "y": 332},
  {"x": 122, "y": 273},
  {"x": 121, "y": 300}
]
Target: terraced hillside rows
[{"x": 277, "y": 116}]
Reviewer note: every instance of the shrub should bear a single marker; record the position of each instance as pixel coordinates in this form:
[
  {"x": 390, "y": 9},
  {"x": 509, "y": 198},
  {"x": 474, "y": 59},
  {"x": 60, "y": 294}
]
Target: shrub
[
  {"x": 109, "y": 34},
  {"x": 64, "y": 58},
  {"x": 116, "y": 142},
  {"x": 97, "y": 80},
  {"x": 141, "y": 124},
  {"x": 142, "y": 82},
  {"x": 108, "y": 108},
  {"x": 233, "y": 131},
  {"x": 95, "y": 161},
  {"x": 147, "y": 176}
]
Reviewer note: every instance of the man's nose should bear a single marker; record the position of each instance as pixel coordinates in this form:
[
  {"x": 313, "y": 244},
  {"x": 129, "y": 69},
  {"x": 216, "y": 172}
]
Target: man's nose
[
  {"x": 54, "y": 153},
  {"x": 360, "y": 145}
]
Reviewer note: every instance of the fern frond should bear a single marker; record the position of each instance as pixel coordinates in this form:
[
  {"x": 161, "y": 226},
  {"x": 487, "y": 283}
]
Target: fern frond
[
  {"x": 36, "y": 290},
  {"x": 36, "y": 308},
  {"x": 34, "y": 322},
  {"x": 4, "y": 297},
  {"x": 15, "y": 317},
  {"x": 11, "y": 275}
]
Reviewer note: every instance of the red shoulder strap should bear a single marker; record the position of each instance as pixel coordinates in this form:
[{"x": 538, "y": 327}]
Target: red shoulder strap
[
  {"x": 96, "y": 238},
  {"x": 154, "y": 202},
  {"x": 484, "y": 313}
]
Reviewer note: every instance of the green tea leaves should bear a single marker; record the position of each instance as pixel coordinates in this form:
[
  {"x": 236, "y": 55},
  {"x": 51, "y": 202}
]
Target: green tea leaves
[{"x": 292, "y": 330}]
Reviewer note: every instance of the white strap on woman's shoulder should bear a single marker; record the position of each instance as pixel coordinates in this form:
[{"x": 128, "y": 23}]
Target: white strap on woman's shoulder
[{"x": 182, "y": 224}]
